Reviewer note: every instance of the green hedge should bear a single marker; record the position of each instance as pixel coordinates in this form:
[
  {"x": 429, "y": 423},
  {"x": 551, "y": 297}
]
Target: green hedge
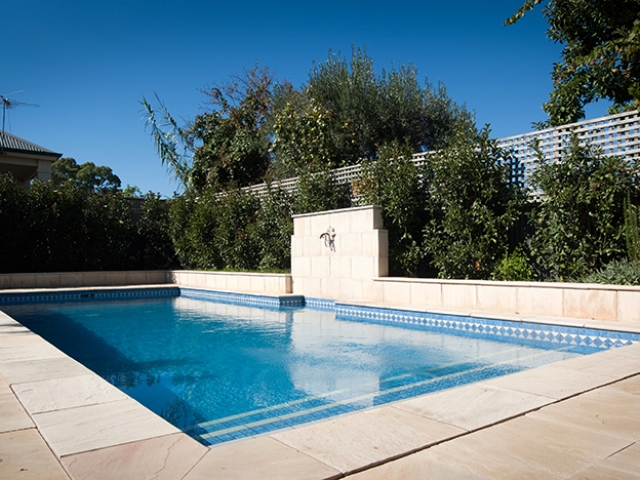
[
  {"x": 49, "y": 229},
  {"x": 455, "y": 217}
]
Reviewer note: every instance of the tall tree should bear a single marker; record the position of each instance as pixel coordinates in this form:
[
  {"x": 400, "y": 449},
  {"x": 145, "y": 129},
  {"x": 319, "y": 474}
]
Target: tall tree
[
  {"x": 369, "y": 110},
  {"x": 600, "y": 58},
  {"x": 86, "y": 176},
  {"x": 224, "y": 147}
]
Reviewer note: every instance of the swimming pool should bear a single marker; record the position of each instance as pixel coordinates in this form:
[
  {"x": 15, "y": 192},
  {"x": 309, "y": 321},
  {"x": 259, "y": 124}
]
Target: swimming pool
[{"x": 222, "y": 371}]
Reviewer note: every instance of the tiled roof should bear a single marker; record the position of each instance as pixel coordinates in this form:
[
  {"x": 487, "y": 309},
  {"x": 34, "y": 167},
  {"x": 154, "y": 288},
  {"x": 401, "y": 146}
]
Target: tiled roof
[{"x": 11, "y": 143}]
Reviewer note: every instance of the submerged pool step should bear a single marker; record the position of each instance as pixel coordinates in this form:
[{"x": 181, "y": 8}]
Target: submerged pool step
[{"x": 389, "y": 390}]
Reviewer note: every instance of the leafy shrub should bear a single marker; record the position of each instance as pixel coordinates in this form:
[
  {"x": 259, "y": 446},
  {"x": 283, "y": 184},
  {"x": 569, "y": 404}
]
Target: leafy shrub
[
  {"x": 214, "y": 231},
  {"x": 66, "y": 228},
  {"x": 631, "y": 231},
  {"x": 14, "y": 239},
  {"x": 235, "y": 235},
  {"x": 616, "y": 272},
  {"x": 193, "y": 226},
  {"x": 154, "y": 248},
  {"x": 513, "y": 268},
  {"x": 579, "y": 224},
  {"x": 471, "y": 205},
  {"x": 109, "y": 232},
  {"x": 274, "y": 230},
  {"x": 393, "y": 182},
  {"x": 317, "y": 191}
]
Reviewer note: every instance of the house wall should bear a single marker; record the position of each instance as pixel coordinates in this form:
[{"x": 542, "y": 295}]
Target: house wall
[{"x": 26, "y": 167}]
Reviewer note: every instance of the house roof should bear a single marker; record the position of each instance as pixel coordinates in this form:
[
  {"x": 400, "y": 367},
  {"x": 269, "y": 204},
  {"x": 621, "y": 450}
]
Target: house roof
[{"x": 11, "y": 143}]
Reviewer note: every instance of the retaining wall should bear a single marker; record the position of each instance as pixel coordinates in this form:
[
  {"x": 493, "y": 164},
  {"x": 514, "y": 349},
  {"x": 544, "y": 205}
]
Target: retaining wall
[
  {"x": 615, "y": 303},
  {"x": 82, "y": 279},
  {"x": 269, "y": 283}
]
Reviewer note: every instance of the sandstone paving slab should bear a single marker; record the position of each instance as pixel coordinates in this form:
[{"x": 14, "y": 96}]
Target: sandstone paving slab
[
  {"x": 13, "y": 328},
  {"x": 162, "y": 458},
  {"x": 603, "y": 410},
  {"x": 79, "y": 429},
  {"x": 261, "y": 458},
  {"x": 614, "y": 362},
  {"x": 528, "y": 447},
  {"x": 599, "y": 472},
  {"x": 59, "y": 393},
  {"x": 473, "y": 406},
  {"x": 626, "y": 461},
  {"x": 417, "y": 466},
  {"x": 24, "y": 455},
  {"x": 4, "y": 386},
  {"x": 622, "y": 465},
  {"x": 6, "y": 320},
  {"x": 26, "y": 347},
  {"x": 354, "y": 441},
  {"x": 629, "y": 385},
  {"x": 554, "y": 381},
  {"x": 12, "y": 415},
  {"x": 28, "y": 338},
  {"x": 44, "y": 369}
]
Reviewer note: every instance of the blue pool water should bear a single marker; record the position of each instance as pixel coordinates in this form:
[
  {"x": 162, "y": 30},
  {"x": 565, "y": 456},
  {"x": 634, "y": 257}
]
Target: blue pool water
[{"x": 223, "y": 371}]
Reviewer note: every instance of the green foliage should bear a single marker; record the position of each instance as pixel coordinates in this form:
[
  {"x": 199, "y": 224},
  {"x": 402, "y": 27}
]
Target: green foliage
[
  {"x": 394, "y": 183},
  {"x": 224, "y": 148},
  {"x": 631, "y": 231},
  {"x": 258, "y": 129},
  {"x": 215, "y": 232},
  {"x": 154, "y": 249},
  {"x": 514, "y": 267},
  {"x": 616, "y": 272},
  {"x": 274, "y": 230},
  {"x": 471, "y": 205},
  {"x": 302, "y": 136},
  {"x": 193, "y": 223},
  {"x": 369, "y": 110},
  {"x": 168, "y": 136},
  {"x": 600, "y": 56},
  {"x": 235, "y": 235},
  {"x": 318, "y": 191},
  {"x": 67, "y": 228},
  {"x": 87, "y": 176},
  {"x": 14, "y": 203},
  {"x": 131, "y": 191},
  {"x": 579, "y": 224},
  {"x": 231, "y": 143}
]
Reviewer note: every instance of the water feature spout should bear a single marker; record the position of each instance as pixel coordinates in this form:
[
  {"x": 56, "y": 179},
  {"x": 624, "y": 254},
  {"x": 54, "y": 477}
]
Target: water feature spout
[{"x": 329, "y": 238}]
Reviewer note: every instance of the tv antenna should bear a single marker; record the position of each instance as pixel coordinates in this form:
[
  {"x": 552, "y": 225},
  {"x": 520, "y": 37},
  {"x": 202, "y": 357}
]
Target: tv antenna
[{"x": 7, "y": 104}]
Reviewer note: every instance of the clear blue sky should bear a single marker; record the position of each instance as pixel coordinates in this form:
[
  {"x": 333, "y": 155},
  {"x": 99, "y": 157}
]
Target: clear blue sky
[{"x": 88, "y": 63}]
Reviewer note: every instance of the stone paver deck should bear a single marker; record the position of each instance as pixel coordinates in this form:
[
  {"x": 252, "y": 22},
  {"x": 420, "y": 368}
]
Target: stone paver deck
[{"x": 574, "y": 419}]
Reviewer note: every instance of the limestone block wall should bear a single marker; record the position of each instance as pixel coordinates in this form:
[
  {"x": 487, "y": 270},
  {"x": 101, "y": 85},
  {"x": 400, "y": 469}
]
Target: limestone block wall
[
  {"x": 616, "y": 303},
  {"x": 337, "y": 254},
  {"x": 81, "y": 279},
  {"x": 267, "y": 283}
]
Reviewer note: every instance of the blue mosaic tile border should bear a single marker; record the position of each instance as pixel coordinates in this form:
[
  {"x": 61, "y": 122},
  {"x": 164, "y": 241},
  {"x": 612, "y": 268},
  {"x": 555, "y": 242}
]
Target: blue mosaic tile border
[
  {"x": 320, "y": 304},
  {"x": 247, "y": 299},
  {"x": 9, "y": 298},
  {"x": 524, "y": 332}
]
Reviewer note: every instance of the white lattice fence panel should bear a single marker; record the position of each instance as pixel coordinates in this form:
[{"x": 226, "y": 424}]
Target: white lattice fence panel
[{"x": 615, "y": 134}]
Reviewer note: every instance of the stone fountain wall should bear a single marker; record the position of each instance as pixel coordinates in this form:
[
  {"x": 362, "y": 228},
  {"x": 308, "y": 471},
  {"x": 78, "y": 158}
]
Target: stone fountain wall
[{"x": 337, "y": 254}]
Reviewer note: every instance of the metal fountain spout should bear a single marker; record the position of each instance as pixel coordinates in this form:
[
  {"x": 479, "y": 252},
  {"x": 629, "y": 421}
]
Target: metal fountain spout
[{"x": 329, "y": 238}]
